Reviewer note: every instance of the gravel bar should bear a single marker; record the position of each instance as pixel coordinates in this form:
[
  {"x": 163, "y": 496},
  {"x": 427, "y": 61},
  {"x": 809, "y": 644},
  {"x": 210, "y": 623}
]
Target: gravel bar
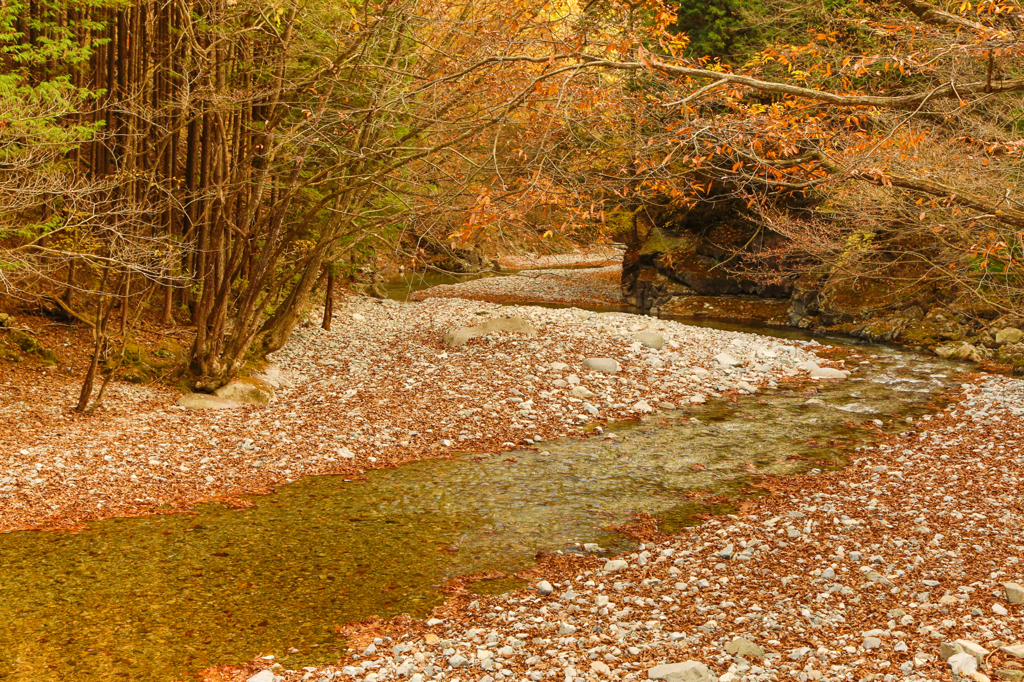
[
  {"x": 380, "y": 389},
  {"x": 586, "y": 286},
  {"x": 595, "y": 256}
]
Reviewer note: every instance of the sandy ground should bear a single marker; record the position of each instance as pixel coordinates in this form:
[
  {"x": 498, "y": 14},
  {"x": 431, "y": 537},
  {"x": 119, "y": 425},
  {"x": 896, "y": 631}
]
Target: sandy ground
[{"x": 379, "y": 390}]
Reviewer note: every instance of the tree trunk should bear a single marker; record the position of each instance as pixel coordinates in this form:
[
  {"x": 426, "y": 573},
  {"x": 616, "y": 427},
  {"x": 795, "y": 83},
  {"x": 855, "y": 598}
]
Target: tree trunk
[{"x": 329, "y": 298}]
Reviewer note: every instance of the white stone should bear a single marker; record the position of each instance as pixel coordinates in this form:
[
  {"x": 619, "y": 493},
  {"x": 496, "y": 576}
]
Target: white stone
[
  {"x": 1014, "y": 593},
  {"x": 262, "y": 676},
  {"x": 606, "y": 365},
  {"x": 829, "y": 373},
  {"x": 642, "y": 406},
  {"x": 687, "y": 671},
  {"x": 979, "y": 652},
  {"x": 963, "y": 664}
]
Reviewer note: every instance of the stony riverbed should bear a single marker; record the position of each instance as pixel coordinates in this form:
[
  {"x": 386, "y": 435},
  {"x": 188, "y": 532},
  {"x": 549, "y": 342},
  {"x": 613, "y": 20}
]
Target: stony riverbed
[
  {"x": 380, "y": 389},
  {"x": 856, "y": 574},
  {"x": 904, "y": 566}
]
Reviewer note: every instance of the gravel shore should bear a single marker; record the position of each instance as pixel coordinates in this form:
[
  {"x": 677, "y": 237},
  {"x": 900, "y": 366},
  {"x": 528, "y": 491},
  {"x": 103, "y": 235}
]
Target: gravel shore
[
  {"x": 585, "y": 286},
  {"x": 904, "y": 566},
  {"x": 379, "y": 390},
  {"x": 594, "y": 257}
]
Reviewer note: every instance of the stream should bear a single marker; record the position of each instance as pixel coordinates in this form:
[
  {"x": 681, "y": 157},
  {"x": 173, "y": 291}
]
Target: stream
[{"x": 159, "y": 598}]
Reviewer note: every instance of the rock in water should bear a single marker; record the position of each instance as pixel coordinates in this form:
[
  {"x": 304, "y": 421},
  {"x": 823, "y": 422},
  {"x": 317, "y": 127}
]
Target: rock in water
[
  {"x": 606, "y": 365},
  {"x": 650, "y": 339},
  {"x": 459, "y": 337},
  {"x": 829, "y": 373},
  {"x": 687, "y": 671},
  {"x": 247, "y": 391},
  {"x": 202, "y": 401},
  {"x": 958, "y": 351}
]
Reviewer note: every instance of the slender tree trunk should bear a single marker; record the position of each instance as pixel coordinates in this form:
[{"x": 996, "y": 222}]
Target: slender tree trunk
[{"x": 329, "y": 298}]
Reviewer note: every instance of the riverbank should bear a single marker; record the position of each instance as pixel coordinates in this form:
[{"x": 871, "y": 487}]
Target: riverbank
[
  {"x": 379, "y": 390},
  {"x": 858, "y": 574}
]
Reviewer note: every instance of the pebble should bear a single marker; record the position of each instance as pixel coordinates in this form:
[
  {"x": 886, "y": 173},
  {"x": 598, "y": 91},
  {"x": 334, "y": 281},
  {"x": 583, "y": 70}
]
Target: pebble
[{"x": 544, "y": 588}]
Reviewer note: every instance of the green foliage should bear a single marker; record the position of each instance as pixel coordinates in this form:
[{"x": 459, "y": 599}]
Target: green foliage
[
  {"x": 39, "y": 101},
  {"x": 725, "y": 29}
]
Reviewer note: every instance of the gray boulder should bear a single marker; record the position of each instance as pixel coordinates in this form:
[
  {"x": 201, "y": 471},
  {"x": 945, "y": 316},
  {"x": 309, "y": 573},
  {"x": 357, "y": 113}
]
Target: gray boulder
[
  {"x": 958, "y": 351},
  {"x": 459, "y": 337},
  {"x": 1009, "y": 335},
  {"x": 247, "y": 391}
]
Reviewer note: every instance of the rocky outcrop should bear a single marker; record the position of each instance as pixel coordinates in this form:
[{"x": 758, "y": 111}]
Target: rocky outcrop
[
  {"x": 696, "y": 252},
  {"x": 247, "y": 390}
]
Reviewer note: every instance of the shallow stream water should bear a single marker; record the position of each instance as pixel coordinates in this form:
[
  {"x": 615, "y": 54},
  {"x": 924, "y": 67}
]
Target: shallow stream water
[{"x": 159, "y": 598}]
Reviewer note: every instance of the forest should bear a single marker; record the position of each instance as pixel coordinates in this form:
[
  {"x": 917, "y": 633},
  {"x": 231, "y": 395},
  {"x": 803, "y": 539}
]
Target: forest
[
  {"x": 217, "y": 164},
  {"x": 511, "y": 340}
]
